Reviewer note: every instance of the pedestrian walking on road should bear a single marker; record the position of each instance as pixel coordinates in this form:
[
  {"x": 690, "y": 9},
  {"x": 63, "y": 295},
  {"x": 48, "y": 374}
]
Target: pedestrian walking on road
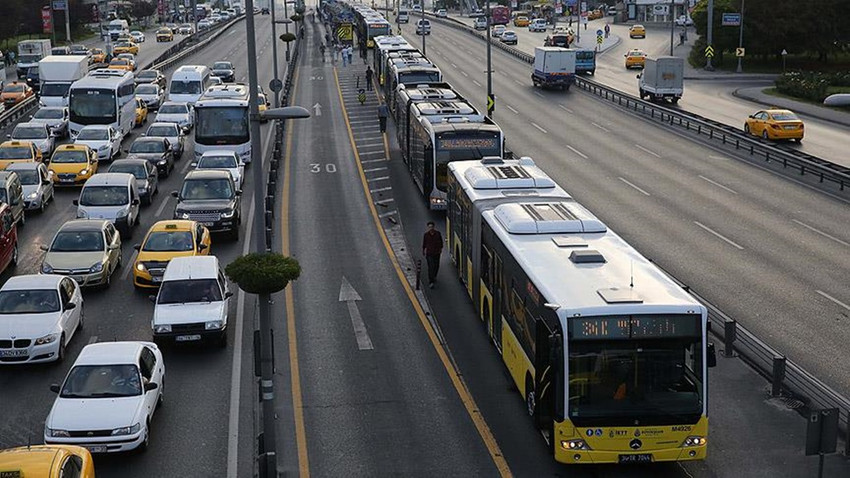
[
  {"x": 432, "y": 248},
  {"x": 368, "y": 78},
  {"x": 344, "y": 51},
  {"x": 322, "y": 51},
  {"x": 383, "y": 113},
  {"x": 607, "y": 30},
  {"x": 334, "y": 52},
  {"x": 350, "y": 50}
]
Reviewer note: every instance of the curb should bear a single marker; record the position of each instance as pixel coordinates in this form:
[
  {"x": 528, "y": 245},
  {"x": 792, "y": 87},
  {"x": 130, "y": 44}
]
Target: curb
[{"x": 811, "y": 110}]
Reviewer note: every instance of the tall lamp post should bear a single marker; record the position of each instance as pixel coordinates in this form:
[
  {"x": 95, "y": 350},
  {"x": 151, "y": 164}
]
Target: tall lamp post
[
  {"x": 422, "y": 22},
  {"x": 274, "y": 52},
  {"x": 491, "y": 102},
  {"x": 741, "y": 37},
  {"x": 708, "y": 39},
  {"x": 672, "y": 23},
  {"x": 266, "y": 358},
  {"x": 285, "y": 25}
]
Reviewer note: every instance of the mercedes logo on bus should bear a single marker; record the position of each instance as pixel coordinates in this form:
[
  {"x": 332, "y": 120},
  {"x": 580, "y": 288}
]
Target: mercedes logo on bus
[{"x": 635, "y": 444}]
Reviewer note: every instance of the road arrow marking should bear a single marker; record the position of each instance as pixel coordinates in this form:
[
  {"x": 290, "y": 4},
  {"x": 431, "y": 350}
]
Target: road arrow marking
[
  {"x": 317, "y": 108},
  {"x": 348, "y": 295}
]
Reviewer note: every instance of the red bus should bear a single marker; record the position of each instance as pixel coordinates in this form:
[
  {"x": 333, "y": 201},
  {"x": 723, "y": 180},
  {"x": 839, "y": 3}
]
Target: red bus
[{"x": 501, "y": 15}]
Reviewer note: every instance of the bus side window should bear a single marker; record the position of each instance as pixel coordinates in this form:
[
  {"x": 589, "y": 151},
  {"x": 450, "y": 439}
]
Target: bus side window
[{"x": 486, "y": 262}]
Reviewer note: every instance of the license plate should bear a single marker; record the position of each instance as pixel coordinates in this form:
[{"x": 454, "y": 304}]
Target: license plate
[
  {"x": 13, "y": 353},
  {"x": 187, "y": 338},
  {"x": 156, "y": 278},
  {"x": 208, "y": 223},
  {"x": 97, "y": 448},
  {"x": 67, "y": 180},
  {"x": 790, "y": 127},
  {"x": 637, "y": 458}
]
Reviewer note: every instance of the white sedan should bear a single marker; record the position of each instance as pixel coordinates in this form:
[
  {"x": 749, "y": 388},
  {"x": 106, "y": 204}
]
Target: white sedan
[
  {"x": 102, "y": 138},
  {"x": 223, "y": 159},
  {"x": 137, "y": 36},
  {"x": 108, "y": 399},
  {"x": 173, "y": 112},
  {"x": 39, "y": 314},
  {"x": 37, "y": 133}
]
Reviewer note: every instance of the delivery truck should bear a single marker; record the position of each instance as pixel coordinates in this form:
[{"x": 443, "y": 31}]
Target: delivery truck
[
  {"x": 554, "y": 66},
  {"x": 30, "y": 52},
  {"x": 56, "y": 73},
  {"x": 662, "y": 79}
]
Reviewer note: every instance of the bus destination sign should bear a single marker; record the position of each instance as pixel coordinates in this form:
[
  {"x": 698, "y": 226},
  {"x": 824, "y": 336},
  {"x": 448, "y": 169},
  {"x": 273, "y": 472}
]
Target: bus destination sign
[{"x": 635, "y": 327}]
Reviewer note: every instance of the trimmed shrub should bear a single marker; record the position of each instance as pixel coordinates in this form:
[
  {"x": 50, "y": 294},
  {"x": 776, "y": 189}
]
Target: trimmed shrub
[{"x": 258, "y": 273}]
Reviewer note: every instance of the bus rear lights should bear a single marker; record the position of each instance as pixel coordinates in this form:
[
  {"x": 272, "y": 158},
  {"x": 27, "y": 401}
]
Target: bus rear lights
[
  {"x": 693, "y": 441},
  {"x": 578, "y": 444}
]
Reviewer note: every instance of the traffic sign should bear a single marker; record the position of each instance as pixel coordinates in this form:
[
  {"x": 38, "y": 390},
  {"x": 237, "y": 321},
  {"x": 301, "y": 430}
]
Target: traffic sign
[
  {"x": 730, "y": 20},
  {"x": 598, "y": 40},
  {"x": 739, "y": 52},
  {"x": 60, "y": 4},
  {"x": 491, "y": 104},
  {"x": 709, "y": 51},
  {"x": 344, "y": 32},
  {"x": 599, "y": 33},
  {"x": 276, "y": 85}
]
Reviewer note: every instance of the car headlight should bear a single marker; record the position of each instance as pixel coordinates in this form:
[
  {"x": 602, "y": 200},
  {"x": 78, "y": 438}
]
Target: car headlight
[
  {"x": 84, "y": 171},
  {"x": 47, "y": 339},
  {"x": 103, "y": 148},
  {"x": 46, "y": 268},
  {"x": 123, "y": 212},
  {"x": 33, "y": 195},
  {"x": 162, "y": 329},
  {"x": 57, "y": 433},
  {"x": 183, "y": 215},
  {"x": 228, "y": 214},
  {"x": 127, "y": 430},
  {"x": 141, "y": 267},
  {"x": 97, "y": 267},
  {"x": 213, "y": 324},
  {"x": 162, "y": 162},
  {"x": 81, "y": 214}
]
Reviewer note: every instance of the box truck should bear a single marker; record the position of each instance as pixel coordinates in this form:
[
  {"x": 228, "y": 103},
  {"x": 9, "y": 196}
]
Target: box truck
[
  {"x": 554, "y": 66},
  {"x": 56, "y": 73},
  {"x": 30, "y": 52},
  {"x": 662, "y": 79}
]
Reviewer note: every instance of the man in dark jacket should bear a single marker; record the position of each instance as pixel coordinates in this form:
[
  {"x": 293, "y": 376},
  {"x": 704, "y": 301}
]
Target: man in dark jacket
[{"x": 432, "y": 247}]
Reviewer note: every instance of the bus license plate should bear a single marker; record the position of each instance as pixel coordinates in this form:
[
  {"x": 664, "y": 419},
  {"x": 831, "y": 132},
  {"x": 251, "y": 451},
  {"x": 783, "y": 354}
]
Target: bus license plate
[
  {"x": 638, "y": 458},
  {"x": 188, "y": 338}
]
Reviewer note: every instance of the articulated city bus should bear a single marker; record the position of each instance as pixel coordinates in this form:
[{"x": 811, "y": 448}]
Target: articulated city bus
[
  {"x": 608, "y": 352},
  {"x": 222, "y": 121},
  {"x": 384, "y": 45},
  {"x": 411, "y": 71},
  {"x": 405, "y": 96},
  {"x": 102, "y": 97}
]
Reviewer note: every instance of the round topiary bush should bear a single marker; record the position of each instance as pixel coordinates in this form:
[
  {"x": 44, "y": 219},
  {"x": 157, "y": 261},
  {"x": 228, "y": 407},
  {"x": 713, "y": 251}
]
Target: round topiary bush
[
  {"x": 259, "y": 273},
  {"x": 296, "y": 18},
  {"x": 287, "y": 37}
]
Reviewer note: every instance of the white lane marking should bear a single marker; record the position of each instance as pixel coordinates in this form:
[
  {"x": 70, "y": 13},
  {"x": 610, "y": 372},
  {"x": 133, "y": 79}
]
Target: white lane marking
[
  {"x": 576, "y": 151},
  {"x": 632, "y": 185},
  {"x": 162, "y": 205},
  {"x": 454, "y": 66},
  {"x": 126, "y": 272},
  {"x": 236, "y": 367},
  {"x": 708, "y": 229},
  {"x": 382, "y": 201},
  {"x": 843, "y": 243},
  {"x": 842, "y": 304},
  {"x": 718, "y": 184},
  {"x": 350, "y": 296},
  {"x": 538, "y": 127},
  {"x": 647, "y": 150},
  {"x": 464, "y": 73},
  {"x": 373, "y": 160},
  {"x": 379, "y": 190},
  {"x": 512, "y": 109},
  {"x": 600, "y": 127},
  {"x": 371, "y": 170},
  {"x": 477, "y": 83},
  {"x": 538, "y": 94},
  {"x": 387, "y": 214},
  {"x": 712, "y": 156},
  {"x": 382, "y": 178},
  {"x": 518, "y": 82},
  {"x": 565, "y": 108},
  {"x": 92, "y": 339}
]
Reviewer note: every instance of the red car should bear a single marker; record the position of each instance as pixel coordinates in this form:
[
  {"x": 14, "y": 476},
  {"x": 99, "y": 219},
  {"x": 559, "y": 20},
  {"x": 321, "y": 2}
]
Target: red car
[{"x": 8, "y": 238}]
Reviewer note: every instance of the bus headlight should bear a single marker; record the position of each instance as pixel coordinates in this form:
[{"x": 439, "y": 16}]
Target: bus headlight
[
  {"x": 577, "y": 444},
  {"x": 693, "y": 441}
]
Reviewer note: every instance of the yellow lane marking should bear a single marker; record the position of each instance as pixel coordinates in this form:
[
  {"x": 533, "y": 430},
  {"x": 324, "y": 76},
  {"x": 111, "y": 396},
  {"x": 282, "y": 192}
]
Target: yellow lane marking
[
  {"x": 297, "y": 401},
  {"x": 454, "y": 375}
]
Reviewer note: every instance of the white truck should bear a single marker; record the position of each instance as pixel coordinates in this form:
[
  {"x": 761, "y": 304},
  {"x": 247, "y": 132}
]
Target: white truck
[
  {"x": 662, "y": 79},
  {"x": 117, "y": 28},
  {"x": 554, "y": 66},
  {"x": 30, "y": 52},
  {"x": 56, "y": 73}
]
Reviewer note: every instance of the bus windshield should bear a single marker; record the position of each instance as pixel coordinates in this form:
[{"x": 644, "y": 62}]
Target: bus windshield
[
  {"x": 416, "y": 77},
  {"x": 185, "y": 88},
  {"x": 620, "y": 382},
  {"x": 93, "y": 106},
  {"x": 222, "y": 125},
  {"x": 462, "y": 146}
]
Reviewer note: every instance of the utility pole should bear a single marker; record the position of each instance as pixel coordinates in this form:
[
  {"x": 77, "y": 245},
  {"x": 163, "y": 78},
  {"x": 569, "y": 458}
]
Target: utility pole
[
  {"x": 422, "y": 11},
  {"x": 274, "y": 52},
  {"x": 285, "y": 23},
  {"x": 672, "y": 23},
  {"x": 491, "y": 101},
  {"x": 741, "y": 37},
  {"x": 708, "y": 65}
]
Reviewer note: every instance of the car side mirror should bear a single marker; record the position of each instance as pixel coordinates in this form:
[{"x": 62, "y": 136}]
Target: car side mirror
[
  {"x": 175, "y": 194},
  {"x": 151, "y": 386},
  {"x": 185, "y": 129},
  {"x": 135, "y": 202},
  {"x": 152, "y": 298},
  {"x": 751, "y": 116},
  {"x": 9, "y": 136},
  {"x": 76, "y": 202},
  {"x": 54, "y": 387},
  {"x": 45, "y": 182},
  {"x": 112, "y": 247},
  {"x": 202, "y": 247},
  {"x": 194, "y": 164},
  {"x": 137, "y": 246},
  {"x": 238, "y": 192},
  {"x": 711, "y": 361},
  {"x": 126, "y": 151},
  {"x": 70, "y": 305},
  {"x": 44, "y": 247}
]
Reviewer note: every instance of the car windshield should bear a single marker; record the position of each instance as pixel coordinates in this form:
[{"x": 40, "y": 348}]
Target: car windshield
[
  {"x": 163, "y": 130},
  {"x": 137, "y": 170},
  {"x": 28, "y": 177},
  {"x": 174, "y": 109},
  {"x": 93, "y": 134},
  {"x": 15, "y": 152},
  {"x": 222, "y": 65},
  {"x": 118, "y": 61},
  {"x": 785, "y": 116},
  {"x": 29, "y": 132},
  {"x": 147, "y": 147},
  {"x": 147, "y": 90},
  {"x": 185, "y": 87},
  {"x": 104, "y": 196},
  {"x": 194, "y": 290},
  {"x": 147, "y": 75},
  {"x": 102, "y": 381},
  {"x": 49, "y": 113},
  {"x": 199, "y": 189},
  {"x": 162, "y": 241},
  {"x": 77, "y": 241},
  {"x": 55, "y": 89},
  {"x": 28, "y": 301},
  {"x": 14, "y": 89},
  {"x": 164, "y": 31},
  {"x": 218, "y": 162}
]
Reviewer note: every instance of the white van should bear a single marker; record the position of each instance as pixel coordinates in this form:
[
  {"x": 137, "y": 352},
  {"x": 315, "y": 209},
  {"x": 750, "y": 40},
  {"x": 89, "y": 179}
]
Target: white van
[
  {"x": 110, "y": 196},
  {"x": 117, "y": 28},
  {"x": 188, "y": 83},
  {"x": 423, "y": 27},
  {"x": 403, "y": 16},
  {"x": 193, "y": 302}
]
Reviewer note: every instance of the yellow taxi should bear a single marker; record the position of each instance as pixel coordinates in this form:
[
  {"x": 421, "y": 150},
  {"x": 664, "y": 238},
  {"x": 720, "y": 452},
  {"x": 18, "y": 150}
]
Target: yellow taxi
[
  {"x": 141, "y": 112},
  {"x": 262, "y": 103},
  {"x": 636, "y": 31},
  {"x": 125, "y": 47},
  {"x": 98, "y": 55},
  {"x": 18, "y": 152},
  {"x": 164, "y": 34},
  {"x": 121, "y": 64},
  {"x": 775, "y": 123},
  {"x": 72, "y": 164},
  {"x": 521, "y": 21},
  {"x": 15, "y": 92},
  {"x": 46, "y": 461},
  {"x": 635, "y": 59},
  {"x": 164, "y": 241}
]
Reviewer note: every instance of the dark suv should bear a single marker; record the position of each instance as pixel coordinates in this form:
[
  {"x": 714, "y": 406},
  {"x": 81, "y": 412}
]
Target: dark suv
[{"x": 211, "y": 198}]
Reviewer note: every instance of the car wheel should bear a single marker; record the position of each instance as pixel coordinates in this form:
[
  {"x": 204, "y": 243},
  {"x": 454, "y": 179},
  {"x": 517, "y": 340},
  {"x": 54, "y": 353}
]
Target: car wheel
[
  {"x": 222, "y": 341},
  {"x": 234, "y": 233},
  {"x": 60, "y": 355},
  {"x": 798, "y": 140},
  {"x": 143, "y": 447},
  {"x": 108, "y": 281},
  {"x": 22, "y": 222},
  {"x": 161, "y": 399},
  {"x": 14, "y": 261},
  {"x": 746, "y": 128},
  {"x": 43, "y": 205},
  {"x": 764, "y": 134}
]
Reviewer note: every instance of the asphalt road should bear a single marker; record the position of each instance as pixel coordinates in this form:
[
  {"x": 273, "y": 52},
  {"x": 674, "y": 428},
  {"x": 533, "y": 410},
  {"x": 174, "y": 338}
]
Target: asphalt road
[
  {"x": 189, "y": 436},
  {"x": 769, "y": 251},
  {"x": 712, "y": 99}
]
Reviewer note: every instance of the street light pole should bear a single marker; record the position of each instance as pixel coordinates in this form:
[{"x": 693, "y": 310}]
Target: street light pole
[
  {"x": 672, "y": 23},
  {"x": 274, "y": 52},
  {"x": 709, "y": 28},
  {"x": 422, "y": 23},
  {"x": 490, "y": 99},
  {"x": 285, "y": 24},
  {"x": 741, "y": 37}
]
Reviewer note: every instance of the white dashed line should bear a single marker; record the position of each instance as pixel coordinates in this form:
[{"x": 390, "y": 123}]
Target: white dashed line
[
  {"x": 576, "y": 151},
  {"x": 842, "y": 304},
  {"x": 600, "y": 127},
  {"x": 843, "y": 243},
  {"x": 162, "y": 204},
  {"x": 538, "y": 127},
  {"x": 565, "y": 108},
  {"x": 647, "y": 151},
  {"x": 637, "y": 188},
  {"x": 512, "y": 109},
  {"x": 538, "y": 94},
  {"x": 717, "y": 184},
  {"x": 720, "y": 236}
]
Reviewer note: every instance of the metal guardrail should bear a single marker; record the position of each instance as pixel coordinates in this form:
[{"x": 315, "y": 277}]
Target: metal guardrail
[
  {"x": 15, "y": 113},
  {"x": 824, "y": 170},
  {"x": 787, "y": 378}
]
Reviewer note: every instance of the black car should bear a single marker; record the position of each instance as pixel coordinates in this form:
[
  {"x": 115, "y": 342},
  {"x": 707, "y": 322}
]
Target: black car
[
  {"x": 223, "y": 70},
  {"x": 32, "y": 79},
  {"x": 210, "y": 197},
  {"x": 150, "y": 76},
  {"x": 264, "y": 11},
  {"x": 157, "y": 151},
  {"x": 146, "y": 174}
]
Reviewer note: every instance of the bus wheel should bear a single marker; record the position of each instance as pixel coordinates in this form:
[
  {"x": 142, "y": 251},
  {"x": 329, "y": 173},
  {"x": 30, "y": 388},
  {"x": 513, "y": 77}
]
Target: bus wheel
[{"x": 530, "y": 400}]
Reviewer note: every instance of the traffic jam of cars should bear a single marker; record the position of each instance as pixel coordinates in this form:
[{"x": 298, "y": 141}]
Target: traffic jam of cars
[{"x": 107, "y": 400}]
